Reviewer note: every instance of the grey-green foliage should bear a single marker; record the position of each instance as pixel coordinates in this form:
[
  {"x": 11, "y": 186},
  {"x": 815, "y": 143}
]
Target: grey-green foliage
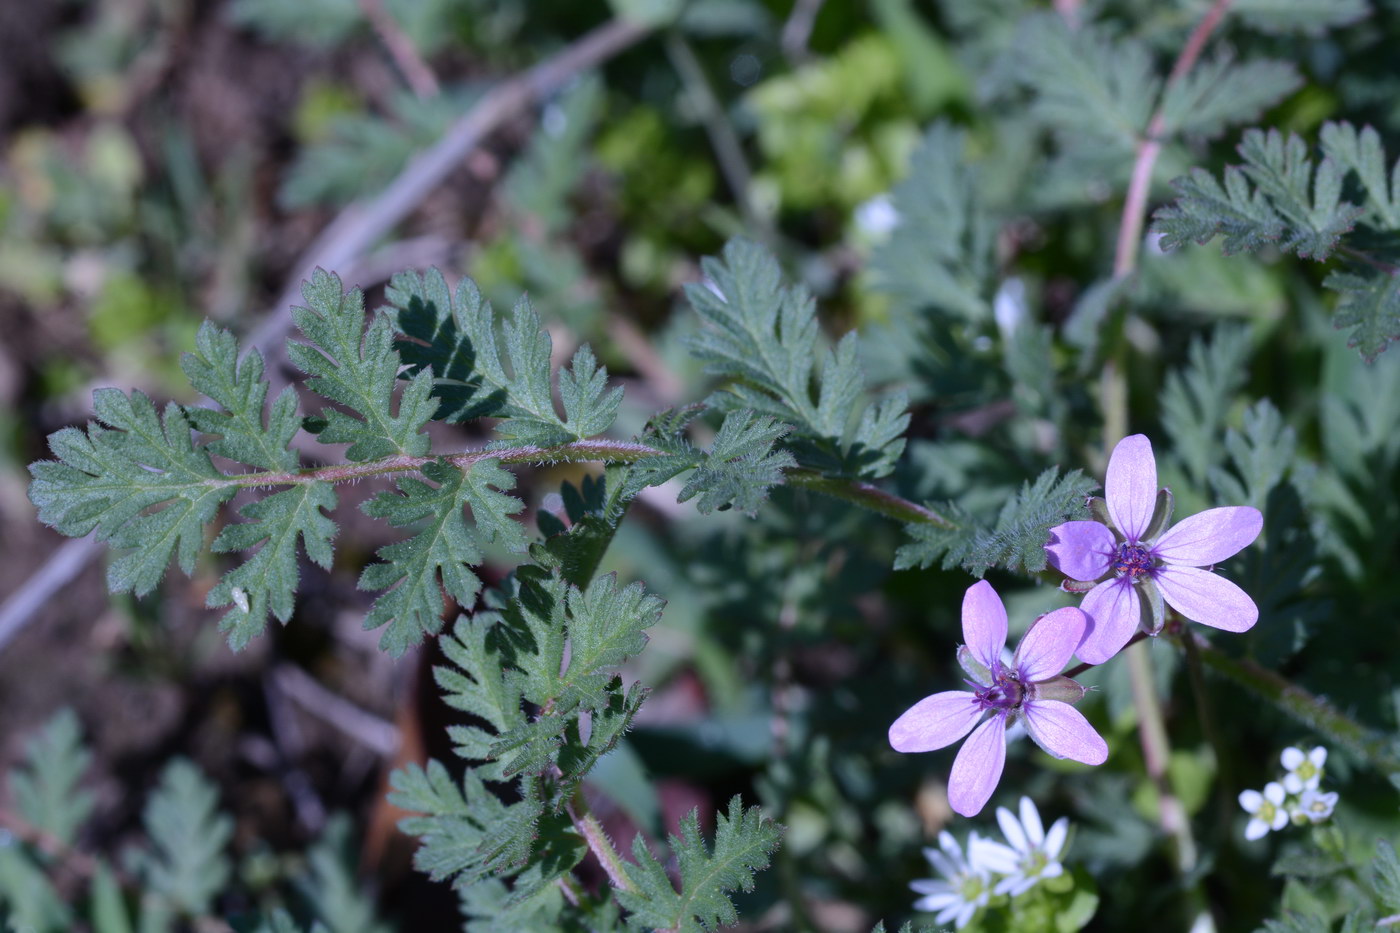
[
  {"x": 46, "y": 788},
  {"x": 744, "y": 841},
  {"x": 341, "y": 901},
  {"x": 1193, "y": 409},
  {"x": 1279, "y": 197},
  {"x": 187, "y": 865},
  {"x": 475, "y": 373},
  {"x": 738, "y": 470},
  {"x": 541, "y": 180},
  {"x": 1014, "y": 538},
  {"x": 940, "y": 255},
  {"x": 762, "y": 337}
]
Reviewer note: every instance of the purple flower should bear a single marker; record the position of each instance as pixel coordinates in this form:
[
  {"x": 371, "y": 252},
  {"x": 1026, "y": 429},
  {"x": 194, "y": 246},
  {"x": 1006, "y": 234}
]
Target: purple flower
[
  {"x": 1137, "y": 561},
  {"x": 1029, "y": 688}
]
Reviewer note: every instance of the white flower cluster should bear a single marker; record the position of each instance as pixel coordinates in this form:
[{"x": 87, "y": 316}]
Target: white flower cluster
[
  {"x": 1298, "y": 797},
  {"x": 988, "y": 867}
]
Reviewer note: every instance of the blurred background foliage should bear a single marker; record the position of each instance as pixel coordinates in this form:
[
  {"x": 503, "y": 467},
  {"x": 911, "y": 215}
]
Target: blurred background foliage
[{"x": 949, "y": 177}]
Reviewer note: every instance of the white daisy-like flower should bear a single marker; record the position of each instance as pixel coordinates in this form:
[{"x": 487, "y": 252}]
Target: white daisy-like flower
[
  {"x": 1314, "y": 806},
  {"x": 1304, "y": 770},
  {"x": 1032, "y": 854},
  {"x": 965, "y": 887},
  {"x": 1266, "y": 810}
]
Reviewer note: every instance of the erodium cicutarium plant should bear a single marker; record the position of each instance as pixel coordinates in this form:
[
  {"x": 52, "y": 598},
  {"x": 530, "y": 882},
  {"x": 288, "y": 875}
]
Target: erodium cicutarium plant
[
  {"x": 1027, "y": 687},
  {"x": 1134, "y": 561}
]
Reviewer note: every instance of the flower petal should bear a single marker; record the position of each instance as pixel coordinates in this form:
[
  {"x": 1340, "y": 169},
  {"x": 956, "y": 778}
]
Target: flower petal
[
  {"x": 1056, "y": 837},
  {"x": 1063, "y": 731},
  {"x": 1273, "y": 792},
  {"x": 984, "y": 623},
  {"x": 1257, "y": 829},
  {"x": 997, "y": 858},
  {"x": 1081, "y": 550},
  {"x": 1292, "y": 757},
  {"x": 1131, "y": 485},
  {"x": 1114, "y": 613},
  {"x": 1013, "y": 832},
  {"x": 1318, "y": 756},
  {"x": 1206, "y": 598},
  {"x": 1049, "y": 643},
  {"x": 1210, "y": 536},
  {"x": 935, "y": 722},
  {"x": 1251, "y": 800},
  {"x": 977, "y": 769},
  {"x": 1030, "y": 819}
]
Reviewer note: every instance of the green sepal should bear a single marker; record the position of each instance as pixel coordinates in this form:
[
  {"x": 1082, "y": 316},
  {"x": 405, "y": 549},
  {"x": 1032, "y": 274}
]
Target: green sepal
[{"x": 1161, "y": 516}]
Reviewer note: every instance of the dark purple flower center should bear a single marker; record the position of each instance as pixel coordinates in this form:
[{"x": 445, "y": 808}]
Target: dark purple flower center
[
  {"x": 1005, "y": 693},
  {"x": 1133, "y": 560}
]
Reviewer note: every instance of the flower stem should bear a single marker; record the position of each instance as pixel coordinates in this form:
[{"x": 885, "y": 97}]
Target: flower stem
[
  {"x": 1311, "y": 710},
  {"x": 1156, "y": 753}
]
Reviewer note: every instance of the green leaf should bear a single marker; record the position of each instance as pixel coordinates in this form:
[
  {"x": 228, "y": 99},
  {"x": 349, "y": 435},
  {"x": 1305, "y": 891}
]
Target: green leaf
[
  {"x": 466, "y": 833},
  {"x": 45, "y": 788},
  {"x": 358, "y": 368},
  {"x": 1197, "y": 397},
  {"x": 940, "y": 256},
  {"x": 1094, "y": 90},
  {"x": 476, "y": 374},
  {"x": 744, "y": 842},
  {"x": 188, "y": 834},
  {"x": 443, "y": 550},
  {"x": 267, "y": 582},
  {"x": 1361, "y": 152},
  {"x": 1370, "y": 306},
  {"x": 1014, "y": 540},
  {"x": 107, "y": 908},
  {"x": 113, "y": 477},
  {"x": 1384, "y": 877},
  {"x": 1290, "y": 204},
  {"x": 1309, "y": 16},
  {"x": 763, "y": 336},
  {"x": 1218, "y": 94},
  {"x": 213, "y": 369},
  {"x": 29, "y": 897},
  {"x": 741, "y": 465},
  {"x": 606, "y": 626},
  {"x": 338, "y": 898}
]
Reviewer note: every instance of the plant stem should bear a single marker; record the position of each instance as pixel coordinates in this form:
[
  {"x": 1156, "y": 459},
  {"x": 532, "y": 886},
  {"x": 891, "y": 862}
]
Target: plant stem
[
  {"x": 857, "y": 492},
  {"x": 1150, "y": 147},
  {"x": 1311, "y": 710},
  {"x": 1156, "y": 753},
  {"x": 1196, "y": 676},
  {"x": 598, "y": 843}
]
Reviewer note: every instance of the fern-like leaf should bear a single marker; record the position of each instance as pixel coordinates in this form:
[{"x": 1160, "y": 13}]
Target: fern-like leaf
[
  {"x": 744, "y": 842},
  {"x": 188, "y": 865},
  {"x": 763, "y": 336},
  {"x": 138, "y": 480},
  {"x": 1014, "y": 539},
  {"x": 358, "y": 368},
  {"x": 445, "y": 549},
  {"x": 45, "y": 788},
  {"x": 477, "y": 374}
]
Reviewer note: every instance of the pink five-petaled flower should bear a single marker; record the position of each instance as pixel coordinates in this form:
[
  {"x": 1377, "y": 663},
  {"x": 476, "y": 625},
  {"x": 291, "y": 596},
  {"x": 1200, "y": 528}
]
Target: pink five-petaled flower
[
  {"x": 1137, "y": 562},
  {"x": 1029, "y": 688}
]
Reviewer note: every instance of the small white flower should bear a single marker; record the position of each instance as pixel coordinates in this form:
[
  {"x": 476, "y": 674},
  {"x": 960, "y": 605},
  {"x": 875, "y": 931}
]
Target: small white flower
[
  {"x": 1316, "y": 806},
  {"x": 1304, "y": 771},
  {"x": 1033, "y": 854},
  {"x": 1266, "y": 809},
  {"x": 877, "y": 217},
  {"x": 965, "y": 886}
]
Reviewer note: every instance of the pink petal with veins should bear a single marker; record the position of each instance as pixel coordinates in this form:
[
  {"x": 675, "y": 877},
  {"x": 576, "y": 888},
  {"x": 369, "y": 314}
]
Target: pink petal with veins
[{"x": 1130, "y": 485}]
